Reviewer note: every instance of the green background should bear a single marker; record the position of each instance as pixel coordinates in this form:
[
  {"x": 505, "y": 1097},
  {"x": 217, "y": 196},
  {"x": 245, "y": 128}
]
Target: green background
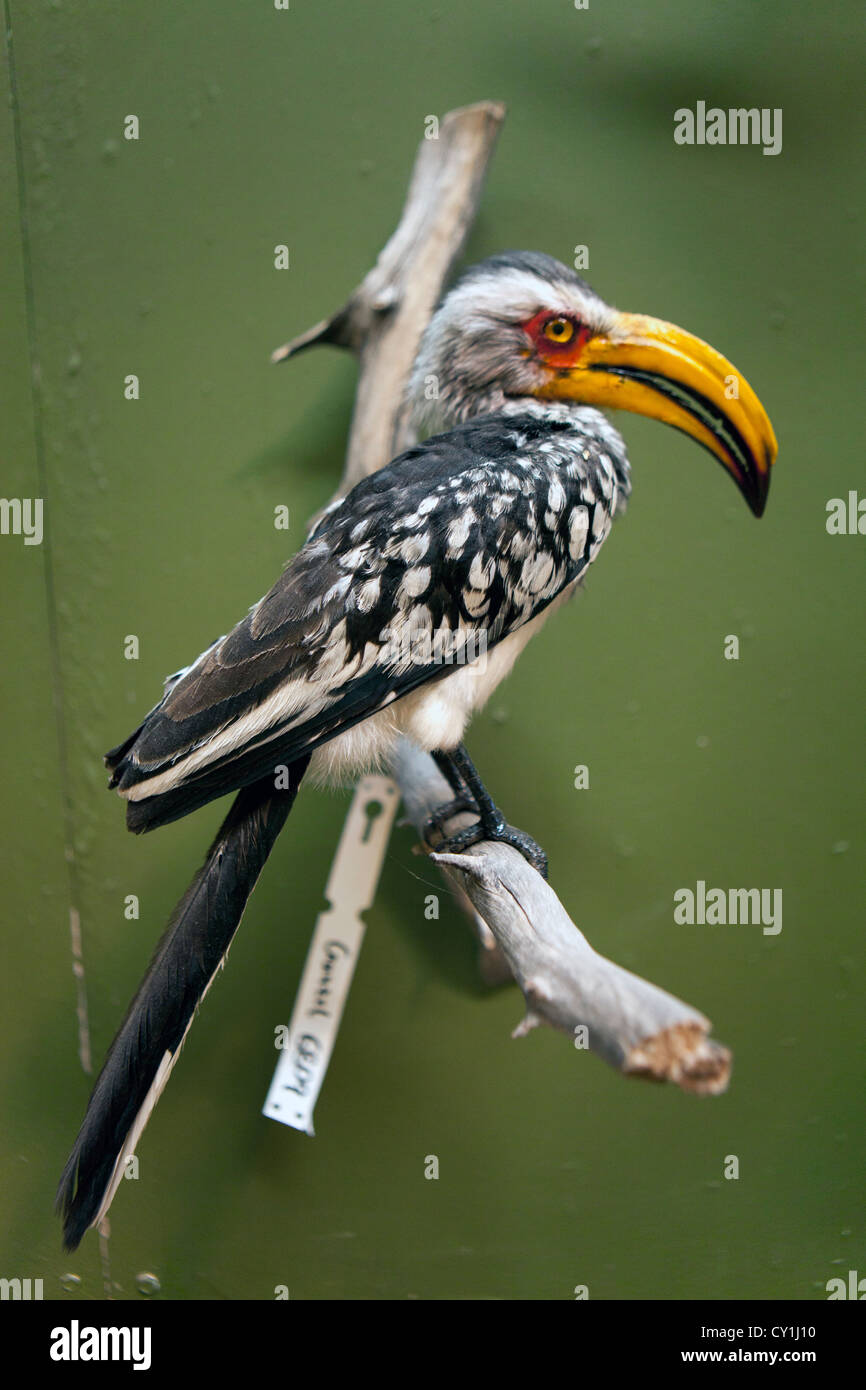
[{"x": 156, "y": 257}]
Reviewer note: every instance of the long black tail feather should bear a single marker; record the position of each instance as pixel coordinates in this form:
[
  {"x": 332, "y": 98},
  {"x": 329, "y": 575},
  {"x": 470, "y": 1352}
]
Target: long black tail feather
[{"x": 186, "y": 960}]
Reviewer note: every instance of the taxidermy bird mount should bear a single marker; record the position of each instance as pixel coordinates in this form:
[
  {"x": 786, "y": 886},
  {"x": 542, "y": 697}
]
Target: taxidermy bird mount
[{"x": 487, "y": 525}]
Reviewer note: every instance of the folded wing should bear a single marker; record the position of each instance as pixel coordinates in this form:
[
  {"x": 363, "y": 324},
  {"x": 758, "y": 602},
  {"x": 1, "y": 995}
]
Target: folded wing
[{"x": 449, "y": 538}]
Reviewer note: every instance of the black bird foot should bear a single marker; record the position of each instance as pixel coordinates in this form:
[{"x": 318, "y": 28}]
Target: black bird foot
[
  {"x": 470, "y": 794},
  {"x": 499, "y": 832},
  {"x": 443, "y": 813}
]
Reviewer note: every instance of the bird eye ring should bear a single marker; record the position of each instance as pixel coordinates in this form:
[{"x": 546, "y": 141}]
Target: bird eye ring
[{"x": 559, "y": 330}]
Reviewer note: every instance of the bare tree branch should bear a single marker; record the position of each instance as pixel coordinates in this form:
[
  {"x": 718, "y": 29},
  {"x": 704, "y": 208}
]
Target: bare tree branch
[
  {"x": 630, "y": 1023},
  {"x": 384, "y": 318},
  {"x": 522, "y": 926}
]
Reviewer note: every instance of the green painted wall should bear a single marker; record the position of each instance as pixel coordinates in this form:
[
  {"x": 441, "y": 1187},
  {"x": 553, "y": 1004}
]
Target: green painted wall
[{"x": 155, "y": 257}]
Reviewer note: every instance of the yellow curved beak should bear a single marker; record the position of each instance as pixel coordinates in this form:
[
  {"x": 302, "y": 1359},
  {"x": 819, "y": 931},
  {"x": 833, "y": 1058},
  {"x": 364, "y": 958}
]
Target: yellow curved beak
[{"x": 654, "y": 368}]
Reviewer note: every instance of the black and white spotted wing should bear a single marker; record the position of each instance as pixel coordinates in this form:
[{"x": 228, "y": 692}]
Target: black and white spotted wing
[{"x": 477, "y": 529}]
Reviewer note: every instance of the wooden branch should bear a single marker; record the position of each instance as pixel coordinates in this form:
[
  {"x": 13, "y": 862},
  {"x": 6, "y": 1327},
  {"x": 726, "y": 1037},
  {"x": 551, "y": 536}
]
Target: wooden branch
[
  {"x": 522, "y": 926},
  {"x": 384, "y": 318},
  {"x": 630, "y": 1023}
]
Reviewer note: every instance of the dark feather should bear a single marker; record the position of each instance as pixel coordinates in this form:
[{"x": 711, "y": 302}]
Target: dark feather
[{"x": 186, "y": 960}]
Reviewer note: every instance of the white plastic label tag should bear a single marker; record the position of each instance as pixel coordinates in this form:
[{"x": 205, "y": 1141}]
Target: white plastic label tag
[{"x": 333, "y": 955}]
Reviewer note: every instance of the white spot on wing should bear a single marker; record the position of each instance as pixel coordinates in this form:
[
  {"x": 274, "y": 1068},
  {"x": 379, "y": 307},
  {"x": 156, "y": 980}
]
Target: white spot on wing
[
  {"x": 577, "y": 528},
  {"x": 367, "y": 595},
  {"x": 555, "y": 495},
  {"x": 353, "y": 558},
  {"x": 481, "y": 572},
  {"x": 536, "y": 572},
  {"x": 414, "y": 582},
  {"x": 458, "y": 531},
  {"x": 413, "y": 547}
]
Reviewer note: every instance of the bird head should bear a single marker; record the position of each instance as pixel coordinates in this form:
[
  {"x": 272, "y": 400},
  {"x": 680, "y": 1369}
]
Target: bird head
[{"x": 522, "y": 326}]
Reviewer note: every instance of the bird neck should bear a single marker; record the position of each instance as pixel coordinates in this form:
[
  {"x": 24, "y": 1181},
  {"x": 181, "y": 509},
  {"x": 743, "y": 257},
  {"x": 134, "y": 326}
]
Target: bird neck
[
  {"x": 455, "y": 407},
  {"x": 452, "y": 409},
  {"x": 587, "y": 427}
]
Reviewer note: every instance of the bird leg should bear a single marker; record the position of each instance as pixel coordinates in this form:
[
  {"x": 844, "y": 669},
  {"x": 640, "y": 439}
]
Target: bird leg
[
  {"x": 454, "y": 777},
  {"x": 463, "y": 799},
  {"x": 472, "y": 795}
]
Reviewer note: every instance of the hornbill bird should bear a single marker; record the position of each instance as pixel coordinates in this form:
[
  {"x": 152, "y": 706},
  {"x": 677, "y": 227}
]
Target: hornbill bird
[{"x": 485, "y": 526}]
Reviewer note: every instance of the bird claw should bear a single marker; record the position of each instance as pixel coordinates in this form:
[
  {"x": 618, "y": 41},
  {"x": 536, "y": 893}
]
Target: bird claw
[
  {"x": 443, "y": 814},
  {"x": 500, "y": 833}
]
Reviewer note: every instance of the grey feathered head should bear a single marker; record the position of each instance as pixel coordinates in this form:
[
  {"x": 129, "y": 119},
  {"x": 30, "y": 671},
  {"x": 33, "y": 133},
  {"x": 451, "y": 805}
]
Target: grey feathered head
[
  {"x": 522, "y": 328},
  {"x": 476, "y": 352}
]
